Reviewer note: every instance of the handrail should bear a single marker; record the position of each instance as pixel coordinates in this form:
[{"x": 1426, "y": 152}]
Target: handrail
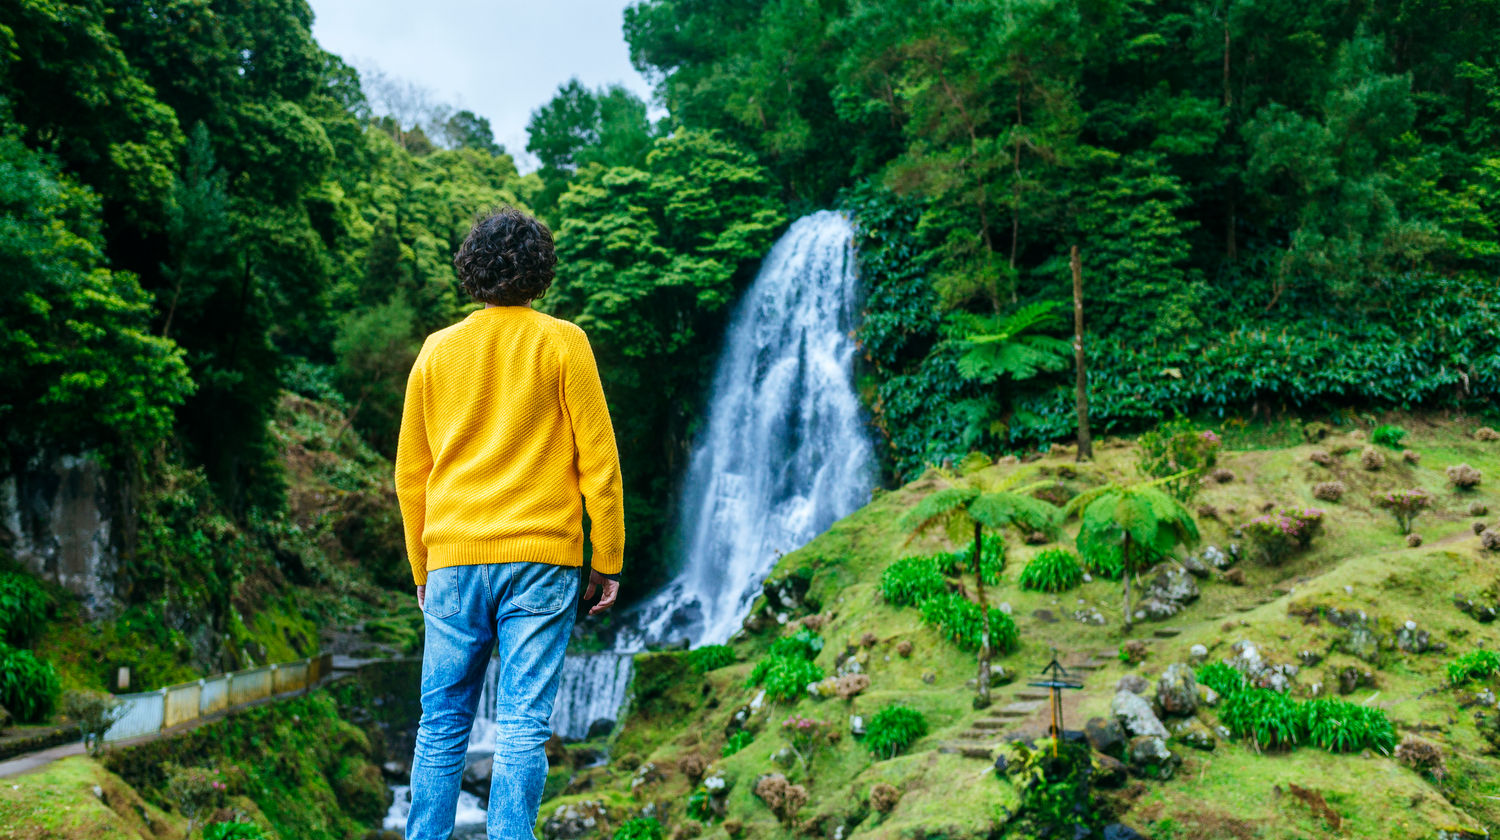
[{"x": 151, "y": 712}]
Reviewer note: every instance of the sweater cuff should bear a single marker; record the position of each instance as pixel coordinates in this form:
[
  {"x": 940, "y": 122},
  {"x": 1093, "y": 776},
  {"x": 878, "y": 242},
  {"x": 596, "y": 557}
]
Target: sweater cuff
[{"x": 614, "y": 577}]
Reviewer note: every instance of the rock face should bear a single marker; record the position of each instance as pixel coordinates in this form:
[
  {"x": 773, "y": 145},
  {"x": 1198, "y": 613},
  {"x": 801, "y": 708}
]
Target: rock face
[
  {"x": 1171, "y": 589},
  {"x": 1193, "y": 733},
  {"x": 1177, "y": 691},
  {"x": 1105, "y": 736},
  {"x": 1133, "y": 683},
  {"x": 1150, "y": 758},
  {"x": 68, "y": 520},
  {"x": 1135, "y": 715},
  {"x": 580, "y": 819}
]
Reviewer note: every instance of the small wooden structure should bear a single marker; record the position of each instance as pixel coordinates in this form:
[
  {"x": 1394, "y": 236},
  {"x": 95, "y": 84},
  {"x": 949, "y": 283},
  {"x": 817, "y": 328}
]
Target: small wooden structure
[{"x": 1059, "y": 680}]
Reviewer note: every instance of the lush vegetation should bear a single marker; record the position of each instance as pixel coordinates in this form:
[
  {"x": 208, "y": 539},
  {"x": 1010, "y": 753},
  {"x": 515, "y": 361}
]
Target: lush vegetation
[
  {"x": 893, "y": 729},
  {"x": 1052, "y": 570}
]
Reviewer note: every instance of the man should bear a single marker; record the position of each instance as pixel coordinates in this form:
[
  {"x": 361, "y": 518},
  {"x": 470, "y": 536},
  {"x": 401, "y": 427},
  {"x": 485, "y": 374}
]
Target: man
[{"x": 505, "y": 438}]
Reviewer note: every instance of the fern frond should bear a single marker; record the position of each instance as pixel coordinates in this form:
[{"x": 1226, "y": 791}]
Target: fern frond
[{"x": 937, "y": 507}]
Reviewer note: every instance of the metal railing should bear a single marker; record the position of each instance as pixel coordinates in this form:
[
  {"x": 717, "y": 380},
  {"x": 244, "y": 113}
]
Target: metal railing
[{"x": 151, "y": 712}]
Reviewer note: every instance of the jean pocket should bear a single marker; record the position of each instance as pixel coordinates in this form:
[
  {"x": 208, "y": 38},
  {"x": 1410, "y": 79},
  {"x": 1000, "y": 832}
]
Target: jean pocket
[
  {"x": 442, "y": 593},
  {"x": 545, "y": 590}
]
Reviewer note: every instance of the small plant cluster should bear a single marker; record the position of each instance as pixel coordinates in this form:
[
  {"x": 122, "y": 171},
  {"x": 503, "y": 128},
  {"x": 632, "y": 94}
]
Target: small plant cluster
[
  {"x": 1277, "y": 536},
  {"x": 28, "y": 684},
  {"x": 1329, "y": 491},
  {"x": 961, "y": 562},
  {"x": 1174, "y": 448},
  {"x": 1404, "y": 505},
  {"x": 1422, "y": 756},
  {"x": 24, "y": 607},
  {"x": 739, "y": 740},
  {"x": 809, "y": 736},
  {"x": 1474, "y": 665},
  {"x": 639, "y": 828},
  {"x": 1053, "y": 570},
  {"x": 1054, "y": 782},
  {"x": 1464, "y": 477},
  {"x": 710, "y": 658},
  {"x": 706, "y": 803},
  {"x": 1371, "y": 459},
  {"x": 912, "y": 580},
  {"x": 1389, "y": 436},
  {"x": 787, "y": 669},
  {"x": 884, "y": 797},
  {"x": 1271, "y": 719},
  {"x": 196, "y": 791},
  {"x": 1486, "y": 434},
  {"x": 94, "y": 713},
  {"x": 958, "y": 620},
  {"x": 233, "y": 831},
  {"x": 893, "y": 729},
  {"x": 782, "y": 797}
]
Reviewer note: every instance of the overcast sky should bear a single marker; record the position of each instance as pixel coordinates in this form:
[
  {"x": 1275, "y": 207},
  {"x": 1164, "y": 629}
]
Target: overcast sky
[{"x": 497, "y": 58}]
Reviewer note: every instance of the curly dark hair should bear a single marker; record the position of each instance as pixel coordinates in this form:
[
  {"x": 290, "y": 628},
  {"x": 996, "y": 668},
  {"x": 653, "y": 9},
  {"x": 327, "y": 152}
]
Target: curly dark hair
[{"x": 507, "y": 259}]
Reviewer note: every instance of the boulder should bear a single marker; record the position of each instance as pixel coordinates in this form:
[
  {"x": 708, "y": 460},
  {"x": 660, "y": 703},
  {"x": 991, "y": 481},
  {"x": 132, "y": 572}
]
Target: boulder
[
  {"x": 1173, "y": 584},
  {"x": 1133, "y": 683},
  {"x": 1207, "y": 696},
  {"x": 1196, "y": 567},
  {"x": 557, "y": 754},
  {"x": 1247, "y": 659},
  {"x": 578, "y": 819},
  {"x": 1135, "y": 715},
  {"x": 1193, "y": 733},
  {"x": 1197, "y": 654},
  {"x": 476, "y": 777},
  {"x": 1177, "y": 691},
  {"x": 1109, "y": 772},
  {"x": 856, "y": 725},
  {"x": 1149, "y": 757},
  {"x": 1106, "y": 736},
  {"x": 600, "y": 728},
  {"x": 1120, "y": 831}
]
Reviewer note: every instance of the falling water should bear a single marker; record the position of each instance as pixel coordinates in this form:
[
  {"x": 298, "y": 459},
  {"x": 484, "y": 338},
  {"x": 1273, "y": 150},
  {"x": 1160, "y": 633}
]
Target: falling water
[
  {"x": 592, "y": 688},
  {"x": 785, "y": 453}
]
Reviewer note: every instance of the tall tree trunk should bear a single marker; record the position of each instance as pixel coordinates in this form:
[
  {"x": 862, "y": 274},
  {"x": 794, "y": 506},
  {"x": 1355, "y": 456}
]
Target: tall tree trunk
[
  {"x": 1125, "y": 574},
  {"x": 1085, "y": 439},
  {"x": 983, "y": 699}
]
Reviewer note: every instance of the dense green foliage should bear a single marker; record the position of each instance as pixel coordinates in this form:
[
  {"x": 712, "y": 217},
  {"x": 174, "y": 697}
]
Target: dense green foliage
[
  {"x": 960, "y": 562},
  {"x": 1126, "y": 529},
  {"x": 710, "y": 657},
  {"x": 233, "y": 831},
  {"x": 736, "y": 742},
  {"x": 1474, "y": 665},
  {"x": 1272, "y": 719},
  {"x": 912, "y": 580},
  {"x": 1222, "y": 678},
  {"x": 640, "y": 828},
  {"x": 957, "y": 619},
  {"x": 1052, "y": 570},
  {"x": 28, "y": 685},
  {"x": 784, "y": 677},
  {"x": 1388, "y": 435},
  {"x": 892, "y": 729},
  {"x": 24, "y": 606},
  {"x": 1178, "y": 453},
  {"x": 804, "y": 643}
]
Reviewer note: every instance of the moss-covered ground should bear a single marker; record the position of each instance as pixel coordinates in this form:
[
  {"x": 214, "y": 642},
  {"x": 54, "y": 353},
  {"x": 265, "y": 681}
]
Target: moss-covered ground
[{"x": 1359, "y": 562}]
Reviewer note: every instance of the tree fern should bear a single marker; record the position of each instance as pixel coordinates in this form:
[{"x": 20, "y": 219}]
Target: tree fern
[{"x": 1008, "y": 347}]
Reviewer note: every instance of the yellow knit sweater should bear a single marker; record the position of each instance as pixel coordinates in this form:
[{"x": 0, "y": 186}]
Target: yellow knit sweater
[{"x": 504, "y": 438}]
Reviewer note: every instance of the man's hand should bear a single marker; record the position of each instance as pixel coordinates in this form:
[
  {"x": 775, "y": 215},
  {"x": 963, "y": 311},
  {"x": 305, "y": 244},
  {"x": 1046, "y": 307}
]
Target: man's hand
[
  {"x": 422, "y": 597},
  {"x": 606, "y": 600}
]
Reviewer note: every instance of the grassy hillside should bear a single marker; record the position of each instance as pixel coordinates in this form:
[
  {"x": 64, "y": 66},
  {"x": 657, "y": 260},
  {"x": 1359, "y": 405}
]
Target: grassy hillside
[{"x": 947, "y": 786}]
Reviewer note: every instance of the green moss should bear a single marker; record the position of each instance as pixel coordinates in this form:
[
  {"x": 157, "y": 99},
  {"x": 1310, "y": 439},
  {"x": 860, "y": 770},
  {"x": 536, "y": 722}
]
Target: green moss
[{"x": 58, "y": 801}]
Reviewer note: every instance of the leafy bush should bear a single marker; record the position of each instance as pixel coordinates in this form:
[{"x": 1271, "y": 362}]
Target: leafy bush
[
  {"x": 1476, "y": 664},
  {"x": 1389, "y": 436},
  {"x": 912, "y": 580},
  {"x": 1341, "y": 726},
  {"x": 1464, "y": 477},
  {"x": 808, "y": 736},
  {"x": 94, "y": 713},
  {"x": 957, "y": 619},
  {"x": 961, "y": 562},
  {"x": 28, "y": 685},
  {"x": 1329, "y": 491},
  {"x": 710, "y": 658},
  {"x": 639, "y": 828},
  {"x": 195, "y": 791},
  {"x": 1404, "y": 505},
  {"x": 24, "y": 606},
  {"x": 804, "y": 643},
  {"x": 1225, "y": 680},
  {"x": 233, "y": 831},
  {"x": 1053, "y": 570},
  {"x": 1268, "y": 718},
  {"x": 1177, "y": 447},
  {"x": 1279, "y": 535},
  {"x": 893, "y": 729},
  {"x": 785, "y": 677},
  {"x": 738, "y": 741},
  {"x": 1371, "y": 459}
]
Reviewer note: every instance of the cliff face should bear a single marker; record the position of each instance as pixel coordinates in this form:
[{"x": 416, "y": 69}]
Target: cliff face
[{"x": 68, "y": 519}]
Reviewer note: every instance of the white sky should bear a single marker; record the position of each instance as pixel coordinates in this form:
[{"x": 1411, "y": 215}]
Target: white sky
[{"x": 497, "y": 58}]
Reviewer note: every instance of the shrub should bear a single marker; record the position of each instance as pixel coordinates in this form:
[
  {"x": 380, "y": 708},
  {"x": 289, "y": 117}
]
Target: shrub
[
  {"x": 804, "y": 643},
  {"x": 1341, "y": 726},
  {"x": 195, "y": 790},
  {"x": 1405, "y": 505},
  {"x": 912, "y": 580},
  {"x": 1478, "y": 509},
  {"x": 233, "y": 831},
  {"x": 893, "y": 729},
  {"x": 1315, "y": 431},
  {"x": 1279, "y": 535},
  {"x": 783, "y": 798},
  {"x": 957, "y": 619},
  {"x": 1413, "y": 540},
  {"x": 1371, "y": 459},
  {"x": 1223, "y": 475},
  {"x": 1464, "y": 477},
  {"x": 903, "y": 648},
  {"x": 849, "y": 686},
  {"x": 737, "y": 742},
  {"x": 1422, "y": 756},
  {"x": 1411, "y": 456},
  {"x": 94, "y": 713},
  {"x": 960, "y": 563},
  {"x": 1268, "y": 718},
  {"x": 1490, "y": 539},
  {"x": 1390, "y": 436},
  {"x": 1478, "y": 527},
  {"x": 1329, "y": 491},
  {"x": 1053, "y": 570},
  {"x": 883, "y": 797},
  {"x": 785, "y": 677},
  {"x": 639, "y": 828},
  {"x": 1474, "y": 665},
  {"x": 710, "y": 658},
  {"x": 24, "y": 606},
  {"x": 1224, "y": 679},
  {"x": 1487, "y": 434},
  {"x": 807, "y": 736},
  {"x": 1176, "y": 447},
  {"x": 1321, "y": 458},
  {"x": 28, "y": 685}
]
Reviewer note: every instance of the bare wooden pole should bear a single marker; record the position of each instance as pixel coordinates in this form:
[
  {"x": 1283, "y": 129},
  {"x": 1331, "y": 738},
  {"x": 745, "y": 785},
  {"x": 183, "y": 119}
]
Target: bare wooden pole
[
  {"x": 982, "y": 700},
  {"x": 1085, "y": 439}
]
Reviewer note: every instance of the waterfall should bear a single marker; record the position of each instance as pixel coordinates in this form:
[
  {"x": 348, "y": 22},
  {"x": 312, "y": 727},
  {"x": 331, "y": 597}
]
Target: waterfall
[
  {"x": 785, "y": 452},
  {"x": 591, "y": 691}
]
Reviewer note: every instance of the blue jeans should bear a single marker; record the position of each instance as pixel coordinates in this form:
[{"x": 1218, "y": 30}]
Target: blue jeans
[{"x": 528, "y": 610}]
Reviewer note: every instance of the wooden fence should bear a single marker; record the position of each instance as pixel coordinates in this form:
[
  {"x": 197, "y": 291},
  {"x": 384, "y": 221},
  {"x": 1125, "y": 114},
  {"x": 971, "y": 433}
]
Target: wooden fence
[{"x": 151, "y": 712}]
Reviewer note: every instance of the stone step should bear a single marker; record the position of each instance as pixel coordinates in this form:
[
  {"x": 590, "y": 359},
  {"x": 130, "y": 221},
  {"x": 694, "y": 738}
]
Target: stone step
[
  {"x": 990, "y": 723},
  {"x": 1032, "y": 695},
  {"x": 1167, "y": 632},
  {"x": 978, "y": 735},
  {"x": 1022, "y": 709},
  {"x": 983, "y": 752}
]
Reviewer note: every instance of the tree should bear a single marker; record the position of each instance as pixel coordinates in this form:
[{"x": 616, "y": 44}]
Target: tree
[
  {"x": 1120, "y": 527},
  {"x": 976, "y": 508},
  {"x": 467, "y": 130}
]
